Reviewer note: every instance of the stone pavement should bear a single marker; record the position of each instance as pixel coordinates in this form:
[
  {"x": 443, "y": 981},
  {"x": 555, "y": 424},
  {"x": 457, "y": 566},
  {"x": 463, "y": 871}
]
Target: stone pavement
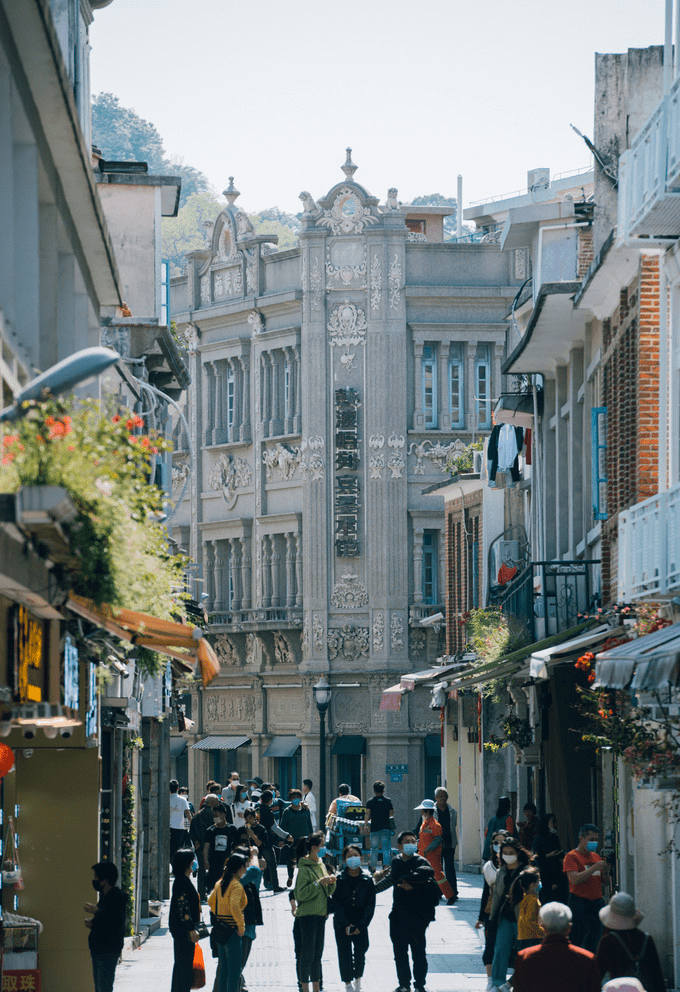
[{"x": 454, "y": 950}]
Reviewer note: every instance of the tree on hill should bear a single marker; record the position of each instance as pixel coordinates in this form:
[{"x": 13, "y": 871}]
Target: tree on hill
[
  {"x": 187, "y": 231},
  {"x": 124, "y": 136}
]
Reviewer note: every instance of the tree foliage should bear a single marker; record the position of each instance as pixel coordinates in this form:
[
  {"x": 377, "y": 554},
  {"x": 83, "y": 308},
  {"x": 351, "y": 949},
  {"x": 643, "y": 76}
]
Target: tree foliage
[{"x": 187, "y": 231}]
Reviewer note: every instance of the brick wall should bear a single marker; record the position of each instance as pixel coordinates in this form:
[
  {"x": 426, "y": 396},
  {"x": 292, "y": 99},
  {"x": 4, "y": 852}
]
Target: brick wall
[
  {"x": 585, "y": 250},
  {"x": 463, "y": 532},
  {"x": 630, "y": 392}
]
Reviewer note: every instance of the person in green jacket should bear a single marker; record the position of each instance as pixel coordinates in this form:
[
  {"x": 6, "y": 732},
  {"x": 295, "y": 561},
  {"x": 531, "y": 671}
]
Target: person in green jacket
[{"x": 313, "y": 887}]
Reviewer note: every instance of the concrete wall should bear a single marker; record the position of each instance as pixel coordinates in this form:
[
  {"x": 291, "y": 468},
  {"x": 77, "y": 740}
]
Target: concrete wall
[{"x": 131, "y": 214}]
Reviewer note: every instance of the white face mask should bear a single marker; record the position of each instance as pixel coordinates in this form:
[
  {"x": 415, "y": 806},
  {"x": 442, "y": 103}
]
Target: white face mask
[
  {"x": 510, "y": 859},
  {"x": 497, "y": 848}
]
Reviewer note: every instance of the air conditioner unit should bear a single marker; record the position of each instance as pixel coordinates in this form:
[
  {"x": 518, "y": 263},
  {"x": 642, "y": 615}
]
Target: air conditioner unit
[
  {"x": 508, "y": 552},
  {"x": 477, "y": 462}
]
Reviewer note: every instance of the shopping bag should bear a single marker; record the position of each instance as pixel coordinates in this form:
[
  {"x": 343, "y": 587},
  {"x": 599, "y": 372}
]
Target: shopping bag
[{"x": 198, "y": 979}]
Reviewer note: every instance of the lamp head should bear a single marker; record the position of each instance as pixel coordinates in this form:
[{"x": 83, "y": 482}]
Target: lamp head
[{"x": 322, "y": 694}]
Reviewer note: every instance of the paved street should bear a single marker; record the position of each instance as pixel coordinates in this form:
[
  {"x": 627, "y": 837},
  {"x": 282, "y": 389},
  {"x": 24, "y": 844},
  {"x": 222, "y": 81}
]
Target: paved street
[{"x": 454, "y": 950}]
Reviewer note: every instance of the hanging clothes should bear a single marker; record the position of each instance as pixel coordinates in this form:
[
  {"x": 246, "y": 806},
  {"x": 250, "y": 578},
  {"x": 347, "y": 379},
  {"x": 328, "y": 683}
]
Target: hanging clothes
[
  {"x": 504, "y": 441},
  {"x": 505, "y": 573},
  {"x": 527, "y": 446}
]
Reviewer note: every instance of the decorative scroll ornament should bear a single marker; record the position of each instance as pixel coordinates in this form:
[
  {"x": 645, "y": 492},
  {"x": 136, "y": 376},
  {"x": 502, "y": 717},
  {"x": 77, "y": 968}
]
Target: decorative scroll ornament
[
  {"x": 397, "y": 631},
  {"x": 376, "y": 441},
  {"x": 351, "y": 642},
  {"x": 378, "y": 631},
  {"x": 349, "y": 593},
  {"x": 376, "y": 465},
  {"x": 394, "y": 280},
  {"x": 205, "y": 290},
  {"x": 347, "y": 215},
  {"x": 436, "y": 452},
  {"x": 376, "y": 282},
  {"x": 317, "y": 631},
  {"x": 417, "y": 640},
  {"x": 304, "y": 641},
  {"x": 226, "y": 651},
  {"x": 191, "y": 338},
  {"x": 345, "y": 274},
  {"x": 347, "y": 325},
  {"x": 283, "y": 651},
  {"x": 315, "y": 283},
  {"x": 180, "y": 474},
  {"x": 230, "y": 474},
  {"x": 396, "y": 464},
  {"x": 347, "y": 361},
  {"x": 396, "y": 441},
  {"x": 283, "y": 458},
  {"x": 251, "y": 274},
  {"x": 312, "y": 460},
  {"x": 256, "y": 321}
]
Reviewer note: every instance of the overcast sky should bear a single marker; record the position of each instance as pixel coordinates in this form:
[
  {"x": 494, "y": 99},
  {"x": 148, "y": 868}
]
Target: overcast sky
[{"x": 272, "y": 91}]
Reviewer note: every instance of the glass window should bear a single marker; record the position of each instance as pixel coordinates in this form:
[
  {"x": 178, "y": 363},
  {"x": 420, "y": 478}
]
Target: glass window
[
  {"x": 599, "y": 467},
  {"x": 456, "y": 387},
  {"x": 429, "y": 386},
  {"x": 230, "y": 403},
  {"x": 483, "y": 387},
  {"x": 430, "y": 566},
  {"x": 286, "y": 390}
]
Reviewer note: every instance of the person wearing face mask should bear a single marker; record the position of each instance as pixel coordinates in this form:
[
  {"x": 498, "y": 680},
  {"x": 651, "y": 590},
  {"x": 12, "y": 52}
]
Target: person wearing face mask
[
  {"x": 489, "y": 871},
  {"x": 106, "y": 926},
  {"x": 218, "y": 842},
  {"x": 548, "y": 853},
  {"x": 314, "y": 886},
  {"x": 352, "y": 905},
  {"x": 507, "y": 895},
  {"x": 415, "y": 896},
  {"x": 528, "y": 929},
  {"x": 296, "y": 821},
  {"x": 586, "y": 871},
  {"x": 240, "y": 804},
  {"x": 185, "y": 914}
]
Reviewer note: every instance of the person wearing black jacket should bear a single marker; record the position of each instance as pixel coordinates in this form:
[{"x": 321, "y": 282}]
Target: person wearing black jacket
[
  {"x": 107, "y": 925},
  {"x": 274, "y": 836},
  {"x": 415, "y": 896},
  {"x": 185, "y": 913},
  {"x": 197, "y": 831},
  {"x": 352, "y": 905}
]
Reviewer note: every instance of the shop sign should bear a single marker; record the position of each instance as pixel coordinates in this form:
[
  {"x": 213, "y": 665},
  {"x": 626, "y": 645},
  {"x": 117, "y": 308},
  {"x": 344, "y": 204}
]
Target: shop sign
[
  {"x": 396, "y": 771},
  {"x": 71, "y": 674},
  {"x": 168, "y": 686},
  {"x": 20, "y": 981},
  {"x": 29, "y": 657},
  {"x": 347, "y": 405},
  {"x": 91, "y": 715}
]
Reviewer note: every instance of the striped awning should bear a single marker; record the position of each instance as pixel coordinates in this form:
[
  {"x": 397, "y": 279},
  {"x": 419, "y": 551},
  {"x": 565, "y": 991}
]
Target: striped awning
[{"x": 220, "y": 743}]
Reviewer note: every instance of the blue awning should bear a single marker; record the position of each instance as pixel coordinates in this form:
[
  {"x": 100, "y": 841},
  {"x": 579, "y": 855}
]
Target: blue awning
[
  {"x": 282, "y": 747},
  {"x": 220, "y": 743},
  {"x": 349, "y": 744}
]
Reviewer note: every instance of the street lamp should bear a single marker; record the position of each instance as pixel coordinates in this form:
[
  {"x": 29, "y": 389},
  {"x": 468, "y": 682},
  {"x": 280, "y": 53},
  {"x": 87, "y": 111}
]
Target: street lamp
[
  {"x": 66, "y": 374},
  {"x": 322, "y": 698}
]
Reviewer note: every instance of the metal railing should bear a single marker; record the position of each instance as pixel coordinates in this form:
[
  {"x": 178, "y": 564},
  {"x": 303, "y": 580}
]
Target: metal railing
[
  {"x": 566, "y": 590},
  {"x": 290, "y": 616},
  {"x": 649, "y": 547},
  {"x": 516, "y": 599}
]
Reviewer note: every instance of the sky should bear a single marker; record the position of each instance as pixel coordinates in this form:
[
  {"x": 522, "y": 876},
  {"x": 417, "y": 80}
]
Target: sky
[{"x": 273, "y": 91}]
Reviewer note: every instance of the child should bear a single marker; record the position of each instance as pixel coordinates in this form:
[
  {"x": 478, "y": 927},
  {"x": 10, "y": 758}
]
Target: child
[{"x": 528, "y": 931}]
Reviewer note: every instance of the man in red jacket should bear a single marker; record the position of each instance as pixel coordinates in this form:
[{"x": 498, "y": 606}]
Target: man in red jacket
[{"x": 556, "y": 965}]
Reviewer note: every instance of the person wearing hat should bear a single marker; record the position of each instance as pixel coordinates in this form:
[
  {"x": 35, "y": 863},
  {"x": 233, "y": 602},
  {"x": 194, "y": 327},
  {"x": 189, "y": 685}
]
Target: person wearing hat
[
  {"x": 625, "y": 951},
  {"x": 430, "y": 844},
  {"x": 623, "y": 985}
]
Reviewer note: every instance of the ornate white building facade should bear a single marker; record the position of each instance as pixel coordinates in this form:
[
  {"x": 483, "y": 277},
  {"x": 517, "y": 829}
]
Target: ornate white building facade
[{"x": 329, "y": 384}]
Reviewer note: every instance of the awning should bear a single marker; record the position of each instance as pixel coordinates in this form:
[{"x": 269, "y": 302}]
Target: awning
[
  {"x": 282, "y": 747},
  {"x": 433, "y": 746},
  {"x": 176, "y": 640},
  {"x": 220, "y": 743},
  {"x": 177, "y": 746},
  {"x": 654, "y": 658},
  {"x": 518, "y": 408},
  {"x": 349, "y": 744},
  {"x": 391, "y": 698},
  {"x": 538, "y": 665},
  {"x": 409, "y": 682}
]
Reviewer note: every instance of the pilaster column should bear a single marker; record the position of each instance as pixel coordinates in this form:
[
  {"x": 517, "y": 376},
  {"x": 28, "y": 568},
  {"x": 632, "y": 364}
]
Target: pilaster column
[
  {"x": 266, "y": 573},
  {"x": 246, "y": 574},
  {"x": 244, "y": 429},
  {"x": 209, "y": 372},
  {"x": 418, "y": 414},
  {"x": 235, "y": 566},
  {"x": 298, "y": 570},
  {"x": 221, "y": 578},
  {"x": 234, "y": 370},
  {"x": 417, "y": 566},
  {"x": 297, "y": 392},
  {"x": 276, "y": 572},
  {"x": 290, "y": 569},
  {"x": 219, "y": 434}
]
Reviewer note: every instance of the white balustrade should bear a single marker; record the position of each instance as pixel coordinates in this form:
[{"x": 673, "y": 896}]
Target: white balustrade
[{"x": 649, "y": 547}]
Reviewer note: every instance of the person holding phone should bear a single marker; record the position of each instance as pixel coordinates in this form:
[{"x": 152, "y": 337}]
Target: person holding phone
[{"x": 353, "y": 905}]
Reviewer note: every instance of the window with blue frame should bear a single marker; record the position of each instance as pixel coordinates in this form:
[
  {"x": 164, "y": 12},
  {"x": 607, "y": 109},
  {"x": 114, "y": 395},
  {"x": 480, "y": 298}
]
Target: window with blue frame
[
  {"x": 429, "y": 589},
  {"x": 456, "y": 387},
  {"x": 598, "y": 416},
  {"x": 483, "y": 386},
  {"x": 429, "y": 386}
]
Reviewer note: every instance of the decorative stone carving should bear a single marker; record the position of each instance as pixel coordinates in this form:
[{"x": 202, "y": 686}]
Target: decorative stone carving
[
  {"x": 347, "y": 362},
  {"x": 317, "y": 631},
  {"x": 191, "y": 339},
  {"x": 352, "y": 642},
  {"x": 230, "y": 474},
  {"x": 205, "y": 290},
  {"x": 396, "y": 464},
  {"x": 347, "y": 325},
  {"x": 251, "y": 274},
  {"x": 394, "y": 281},
  {"x": 282, "y": 457},
  {"x": 392, "y": 203},
  {"x": 309, "y": 205},
  {"x": 226, "y": 651},
  {"x": 251, "y": 649},
  {"x": 312, "y": 457},
  {"x": 376, "y": 465},
  {"x": 417, "y": 237},
  {"x": 315, "y": 283},
  {"x": 417, "y": 640},
  {"x": 378, "y": 631},
  {"x": 492, "y": 237},
  {"x": 435, "y": 451},
  {"x": 304, "y": 642},
  {"x": 397, "y": 631},
  {"x": 218, "y": 286},
  {"x": 376, "y": 282},
  {"x": 396, "y": 441},
  {"x": 345, "y": 272},
  {"x": 283, "y": 650},
  {"x": 349, "y": 593},
  {"x": 285, "y": 710},
  {"x": 376, "y": 441},
  {"x": 256, "y": 321},
  {"x": 347, "y": 215},
  {"x": 180, "y": 474},
  {"x": 244, "y": 225},
  {"x": 231, "y": 708}
]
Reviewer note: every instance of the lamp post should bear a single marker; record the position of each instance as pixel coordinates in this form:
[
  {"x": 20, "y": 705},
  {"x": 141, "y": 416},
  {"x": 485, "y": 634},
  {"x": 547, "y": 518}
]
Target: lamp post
[
  {"x": 66, "y": 374},
  {"x": 322, "y": 698}
]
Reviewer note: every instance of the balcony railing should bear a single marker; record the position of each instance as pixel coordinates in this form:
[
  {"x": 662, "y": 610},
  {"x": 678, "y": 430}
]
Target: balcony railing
[
  {"x": 649, "y": 174},
  {"x": 566, "y": 590},
  {"x": 260, "y": 618},
  {"x": 649, "y": 547}
]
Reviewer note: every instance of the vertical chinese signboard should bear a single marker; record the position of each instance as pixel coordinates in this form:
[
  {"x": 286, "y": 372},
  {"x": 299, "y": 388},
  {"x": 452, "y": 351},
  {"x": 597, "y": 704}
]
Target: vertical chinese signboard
[{"x": 347, "y": 478}]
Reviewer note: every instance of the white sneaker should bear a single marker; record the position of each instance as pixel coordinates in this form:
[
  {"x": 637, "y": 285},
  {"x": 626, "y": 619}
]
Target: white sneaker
[
  {"x": 505, "y": 987},
  {"x": 348, "y": 987},
  {"x": 357, "y": 985},
  {"x": 490, "y": 987}
]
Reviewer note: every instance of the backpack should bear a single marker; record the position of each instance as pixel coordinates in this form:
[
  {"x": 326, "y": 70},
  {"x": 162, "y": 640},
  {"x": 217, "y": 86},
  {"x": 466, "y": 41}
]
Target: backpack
[{"x": 637, "y": 961}]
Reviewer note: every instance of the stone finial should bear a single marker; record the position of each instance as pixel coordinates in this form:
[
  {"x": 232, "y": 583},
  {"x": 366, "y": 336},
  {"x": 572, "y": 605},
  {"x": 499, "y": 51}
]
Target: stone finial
[
  {"x": 392, "y": 198},
  {"x": 231, "y": 192},
  {"x": 349, "y": 168}
]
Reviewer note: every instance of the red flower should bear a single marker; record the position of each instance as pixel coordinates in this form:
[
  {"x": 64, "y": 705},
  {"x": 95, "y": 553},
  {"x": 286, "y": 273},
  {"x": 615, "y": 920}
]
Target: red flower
[{"x": 115, "y": 418}]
